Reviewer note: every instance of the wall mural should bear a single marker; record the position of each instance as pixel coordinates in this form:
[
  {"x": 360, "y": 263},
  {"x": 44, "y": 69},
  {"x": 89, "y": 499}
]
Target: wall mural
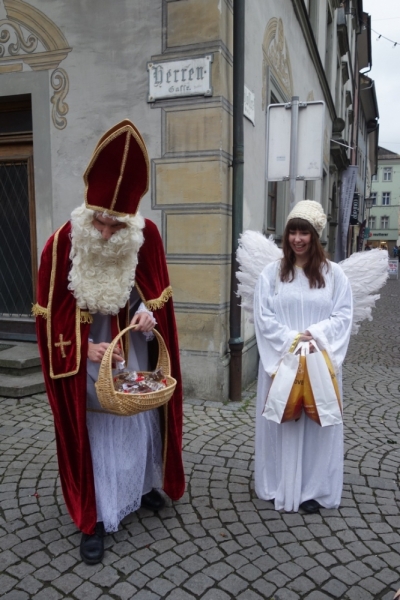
[
  {"x": 276, "y": 56},
  {"x": 30, "y": 41}
]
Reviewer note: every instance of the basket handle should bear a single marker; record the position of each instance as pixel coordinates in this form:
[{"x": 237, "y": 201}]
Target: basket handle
[{"x": 105, "y": 369}]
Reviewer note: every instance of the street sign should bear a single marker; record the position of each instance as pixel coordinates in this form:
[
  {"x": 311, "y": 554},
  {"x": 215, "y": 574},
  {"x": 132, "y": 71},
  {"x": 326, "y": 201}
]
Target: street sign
[
  {"x": 177, "y": 78},
  {"x": 249, "y": 105}
]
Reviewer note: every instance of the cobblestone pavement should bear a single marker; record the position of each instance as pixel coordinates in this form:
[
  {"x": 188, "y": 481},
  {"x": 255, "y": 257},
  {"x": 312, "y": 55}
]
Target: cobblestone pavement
[{"x": 219, "y": 541}]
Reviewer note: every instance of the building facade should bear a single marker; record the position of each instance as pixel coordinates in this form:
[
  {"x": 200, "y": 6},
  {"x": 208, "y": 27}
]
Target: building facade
[
  {"x": 70, "y": 72},
  {"x": 383, "y": 221}
]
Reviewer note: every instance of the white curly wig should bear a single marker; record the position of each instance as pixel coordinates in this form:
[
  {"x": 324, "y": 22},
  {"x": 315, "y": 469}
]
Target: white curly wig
[{"x": 102, "y": 274}]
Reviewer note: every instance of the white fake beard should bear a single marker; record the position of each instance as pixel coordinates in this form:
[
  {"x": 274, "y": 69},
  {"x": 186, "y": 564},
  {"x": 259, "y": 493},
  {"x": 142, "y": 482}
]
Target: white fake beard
[{"x": 103, "y": 271}]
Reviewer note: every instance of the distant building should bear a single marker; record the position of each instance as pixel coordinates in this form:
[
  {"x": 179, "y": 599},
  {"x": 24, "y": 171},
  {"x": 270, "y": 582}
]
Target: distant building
[{"x": 383, "y": 220}]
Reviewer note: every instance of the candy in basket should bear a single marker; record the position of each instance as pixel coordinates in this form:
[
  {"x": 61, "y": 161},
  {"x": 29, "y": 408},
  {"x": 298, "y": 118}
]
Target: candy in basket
[
  {"x": 143, "y": 390},
  {"x": 137, "y": 382}
]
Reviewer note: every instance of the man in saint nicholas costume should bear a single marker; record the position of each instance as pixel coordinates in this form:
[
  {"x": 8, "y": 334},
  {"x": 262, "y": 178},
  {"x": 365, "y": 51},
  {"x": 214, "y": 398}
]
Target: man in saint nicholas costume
[{"x": 101, "y": 271}]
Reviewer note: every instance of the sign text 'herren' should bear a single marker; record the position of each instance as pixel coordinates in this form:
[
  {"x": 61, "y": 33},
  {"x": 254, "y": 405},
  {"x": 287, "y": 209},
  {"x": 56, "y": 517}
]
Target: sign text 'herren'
[{"x": 175, "y": 78}]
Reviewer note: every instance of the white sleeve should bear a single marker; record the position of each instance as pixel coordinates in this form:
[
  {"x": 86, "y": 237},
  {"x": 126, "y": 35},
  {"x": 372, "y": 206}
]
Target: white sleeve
[
  {"x": 333, "y": 333},
  {"x": 149, "y": 335},
  {"x": 274, "y": 339}
]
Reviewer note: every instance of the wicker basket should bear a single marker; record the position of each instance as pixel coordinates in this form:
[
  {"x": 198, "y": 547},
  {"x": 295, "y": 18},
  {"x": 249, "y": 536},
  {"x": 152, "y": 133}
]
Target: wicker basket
[{"x": 122, "y": 404}]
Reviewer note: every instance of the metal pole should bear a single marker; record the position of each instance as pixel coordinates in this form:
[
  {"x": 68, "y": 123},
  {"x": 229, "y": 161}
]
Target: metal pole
[
  {"x": 236, "y": 341},
  {"x": 294, "y": 129}
]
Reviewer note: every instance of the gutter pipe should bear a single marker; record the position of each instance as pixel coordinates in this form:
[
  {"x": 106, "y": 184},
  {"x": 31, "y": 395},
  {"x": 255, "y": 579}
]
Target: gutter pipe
[{"x": 236, "y": 340}]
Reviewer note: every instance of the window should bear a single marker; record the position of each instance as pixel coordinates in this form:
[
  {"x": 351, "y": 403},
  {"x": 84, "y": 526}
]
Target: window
[
  {"x": 271, "y": 206},
  {"x": 373, "y": 195},
  {"x": 309, "y": 190},
  {"x": 272, "y": 193},
  {"x": 329, "y": 63},
  {"x": 313, "y": 16},
  {"x": 372, "y": 222},
  {"x": 384, "y": 222},
  {"x": 385, "y": 198},
  {"x": 387, "y": 174}
]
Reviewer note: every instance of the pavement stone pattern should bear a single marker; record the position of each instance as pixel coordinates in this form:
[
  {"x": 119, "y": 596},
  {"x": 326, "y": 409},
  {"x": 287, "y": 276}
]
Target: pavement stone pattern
[{"x": 219, "y": 541}]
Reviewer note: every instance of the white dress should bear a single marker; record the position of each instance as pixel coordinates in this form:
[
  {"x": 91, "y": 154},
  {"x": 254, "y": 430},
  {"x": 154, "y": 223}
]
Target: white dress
[
  {"x": 299, "y": 461},
  {"x": 126, "y": 451}
]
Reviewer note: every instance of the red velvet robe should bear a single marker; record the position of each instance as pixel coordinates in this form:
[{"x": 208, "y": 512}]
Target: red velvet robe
[{"x": 63, "y": 332}]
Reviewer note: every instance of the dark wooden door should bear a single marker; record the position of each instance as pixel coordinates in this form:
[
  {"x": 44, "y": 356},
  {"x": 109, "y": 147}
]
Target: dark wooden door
[{"x": 18, "y": 264}]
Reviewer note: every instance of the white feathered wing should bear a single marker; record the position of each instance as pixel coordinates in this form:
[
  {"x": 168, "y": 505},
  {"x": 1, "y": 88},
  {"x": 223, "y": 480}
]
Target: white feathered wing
[
  {"x": 367, "y": 272},
  {"x": 255, "y": 252}
]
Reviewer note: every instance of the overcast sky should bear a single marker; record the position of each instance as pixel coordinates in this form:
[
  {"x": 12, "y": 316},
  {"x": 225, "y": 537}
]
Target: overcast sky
[{"x": 385, "y": 19}]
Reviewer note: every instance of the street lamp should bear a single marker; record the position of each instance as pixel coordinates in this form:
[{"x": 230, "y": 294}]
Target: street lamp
[{"x": 368, "y": 203}]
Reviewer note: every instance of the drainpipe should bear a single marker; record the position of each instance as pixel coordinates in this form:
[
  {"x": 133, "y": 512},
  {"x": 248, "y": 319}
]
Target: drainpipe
[{"x": 235, "y": 330}]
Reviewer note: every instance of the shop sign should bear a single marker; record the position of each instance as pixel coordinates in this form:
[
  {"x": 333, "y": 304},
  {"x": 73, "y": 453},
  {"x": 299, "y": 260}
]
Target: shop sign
[
  {"x": 379, "y": 234},
  {"x": 176, "y": 78},
  {"x": 354, "y": 209},
  {"x": 349, "y": 178}
]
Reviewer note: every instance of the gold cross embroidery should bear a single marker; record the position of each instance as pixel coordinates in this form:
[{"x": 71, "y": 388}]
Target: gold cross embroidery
[{"x": 61, "y": 345}]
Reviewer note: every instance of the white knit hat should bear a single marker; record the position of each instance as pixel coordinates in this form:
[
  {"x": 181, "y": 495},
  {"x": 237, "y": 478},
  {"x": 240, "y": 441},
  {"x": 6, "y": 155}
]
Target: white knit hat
[{"x": 310, "y": 211}]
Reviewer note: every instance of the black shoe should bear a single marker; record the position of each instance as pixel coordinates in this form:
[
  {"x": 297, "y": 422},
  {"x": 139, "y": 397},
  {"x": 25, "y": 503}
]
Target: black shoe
[
  {"x": 92, "y": 546},
  {"x": 153, "y": 500},
  {"x": 310, "y": 506}
]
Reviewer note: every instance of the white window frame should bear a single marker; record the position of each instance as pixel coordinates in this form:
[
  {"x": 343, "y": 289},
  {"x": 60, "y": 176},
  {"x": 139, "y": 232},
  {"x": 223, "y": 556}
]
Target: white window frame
[
  {"x": 384, "y": 222},
  {"x": 387, "y": 173},
  {"x": 385, "y": 198},
  {"x": 374, "y": 196},
  {"x": 372, "y": 222}
]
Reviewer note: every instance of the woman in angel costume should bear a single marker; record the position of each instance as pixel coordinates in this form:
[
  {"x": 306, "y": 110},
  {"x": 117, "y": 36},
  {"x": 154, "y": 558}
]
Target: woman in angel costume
[{"x": 301, "y": 295}]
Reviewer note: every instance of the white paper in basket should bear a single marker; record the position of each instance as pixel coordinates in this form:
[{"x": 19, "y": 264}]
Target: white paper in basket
[
  {"x": 282, "y": 386},
  {"x": 323, "y": 390}
]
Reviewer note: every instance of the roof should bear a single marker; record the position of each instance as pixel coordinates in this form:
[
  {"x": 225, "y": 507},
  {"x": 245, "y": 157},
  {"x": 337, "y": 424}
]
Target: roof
[{"x": 384, "y": 153}]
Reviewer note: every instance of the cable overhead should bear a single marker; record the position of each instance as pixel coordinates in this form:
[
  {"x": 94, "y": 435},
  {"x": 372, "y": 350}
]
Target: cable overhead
[{"x": 385, "y": 38}]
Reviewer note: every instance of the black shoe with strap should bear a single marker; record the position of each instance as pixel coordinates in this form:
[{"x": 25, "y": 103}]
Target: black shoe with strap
[
  {"x": 92, "y": 546},
  {"x": 153, "y": 501}
]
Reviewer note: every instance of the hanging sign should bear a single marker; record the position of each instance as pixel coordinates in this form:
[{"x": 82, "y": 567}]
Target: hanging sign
[
  {"x": 354, "y": 209},
  {"x": 349, "y": 178},
  {"x": 310, "y": 137}
]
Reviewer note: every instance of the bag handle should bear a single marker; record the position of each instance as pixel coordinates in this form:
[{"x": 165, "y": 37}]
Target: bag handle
[{"x": 302, "y": 348}]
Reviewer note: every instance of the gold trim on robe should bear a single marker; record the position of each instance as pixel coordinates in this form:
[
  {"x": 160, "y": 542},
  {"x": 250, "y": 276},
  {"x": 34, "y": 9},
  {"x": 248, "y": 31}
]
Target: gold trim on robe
[
  {"x": 41, "y": 311},
  {"x": 156, "y": 303}
]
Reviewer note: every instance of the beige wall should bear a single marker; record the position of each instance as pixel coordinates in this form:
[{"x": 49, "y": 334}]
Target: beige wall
[{"x": 191, "y": 185}]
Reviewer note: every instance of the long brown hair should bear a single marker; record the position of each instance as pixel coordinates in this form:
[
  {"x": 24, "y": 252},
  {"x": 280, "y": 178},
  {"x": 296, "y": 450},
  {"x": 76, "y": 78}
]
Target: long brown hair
[{"x": 317, "y": 259}]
